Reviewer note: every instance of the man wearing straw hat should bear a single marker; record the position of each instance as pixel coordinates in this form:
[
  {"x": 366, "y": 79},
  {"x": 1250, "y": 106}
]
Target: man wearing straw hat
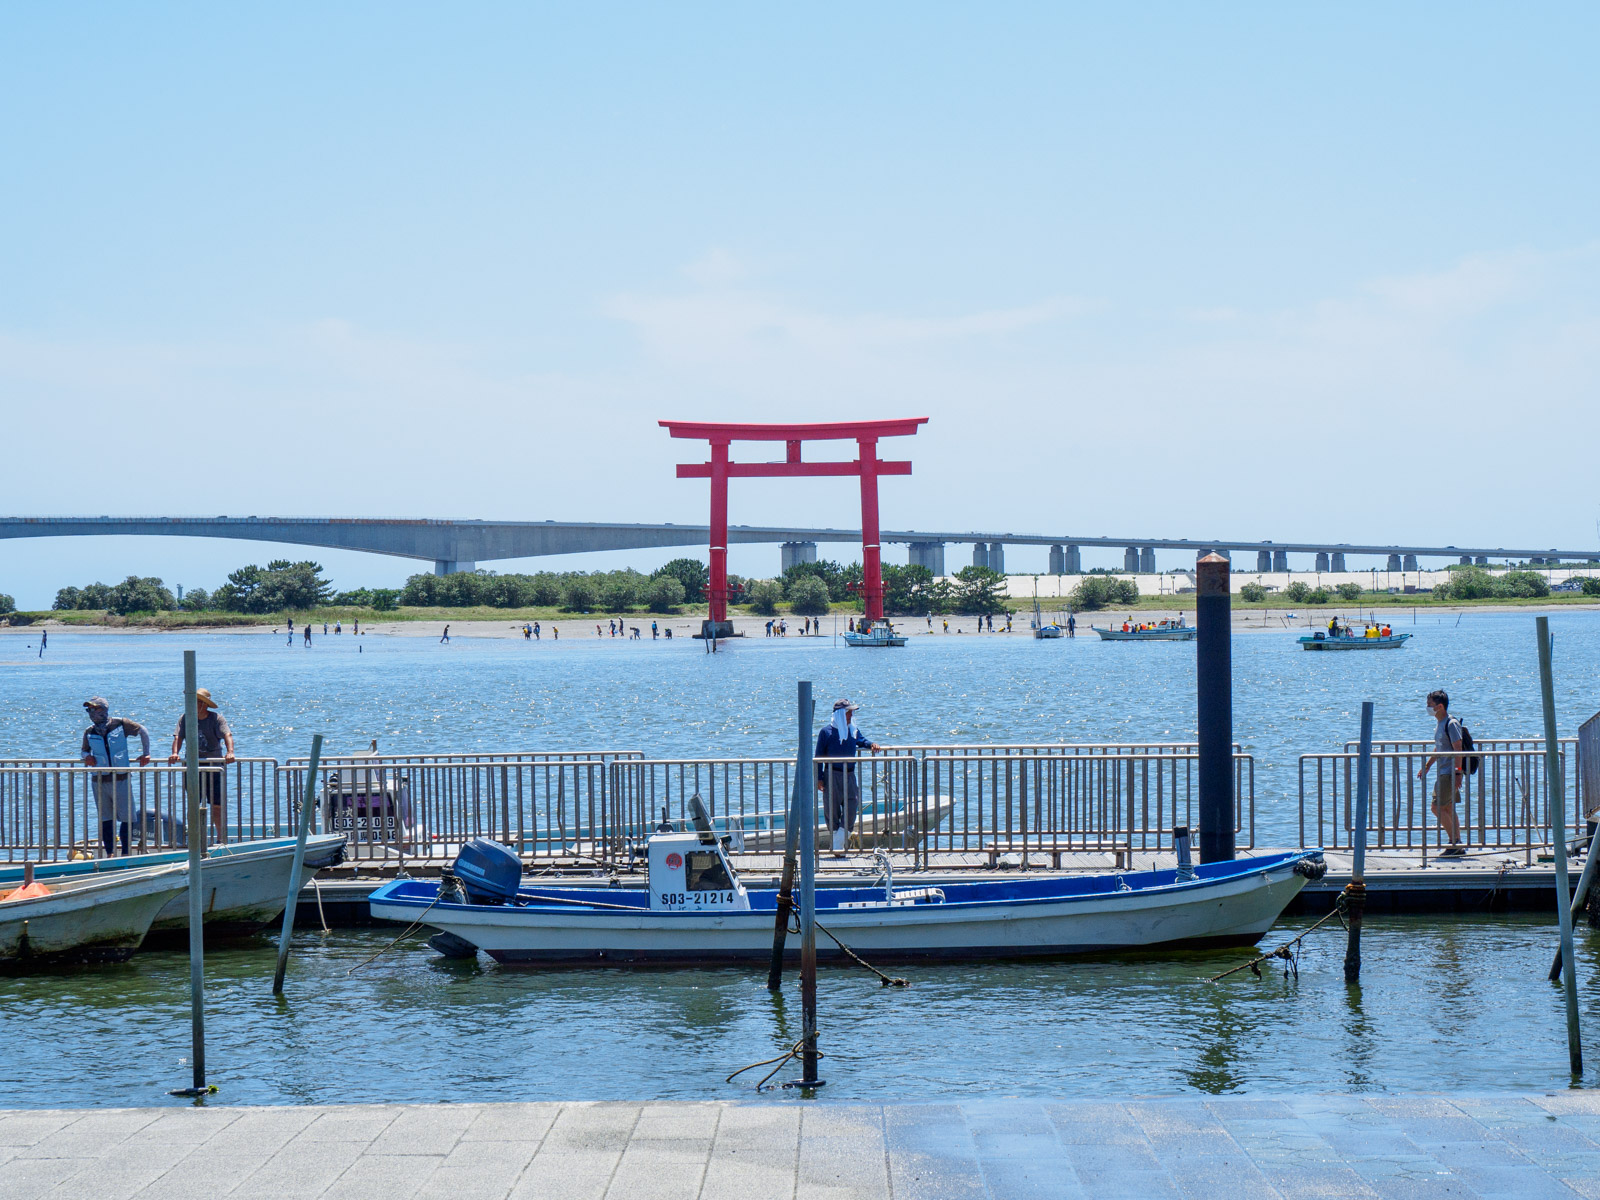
[
  {"x": 840, "y": 739},
  {"x": 216, "y": 750},
  {"x": 105, "y": 744}
]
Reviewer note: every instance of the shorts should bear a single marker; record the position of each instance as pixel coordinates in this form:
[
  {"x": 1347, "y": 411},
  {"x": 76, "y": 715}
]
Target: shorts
[
  {"x": 1444, "y": 790},
  {"x": 114, "y": 798}
]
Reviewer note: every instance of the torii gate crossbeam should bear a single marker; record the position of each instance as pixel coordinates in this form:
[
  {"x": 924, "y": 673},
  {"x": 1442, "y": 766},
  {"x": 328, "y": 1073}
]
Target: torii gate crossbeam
[{"x": 868, "y": 467}]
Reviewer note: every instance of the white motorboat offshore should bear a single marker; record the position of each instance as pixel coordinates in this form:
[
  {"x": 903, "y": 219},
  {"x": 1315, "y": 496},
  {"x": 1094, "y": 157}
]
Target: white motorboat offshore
[
  {"x": 87, "y": 919},
  {"x": 879, "y": 633},
  {"x": 695, "y": 910},
  {"x": 245, "y": 883}
]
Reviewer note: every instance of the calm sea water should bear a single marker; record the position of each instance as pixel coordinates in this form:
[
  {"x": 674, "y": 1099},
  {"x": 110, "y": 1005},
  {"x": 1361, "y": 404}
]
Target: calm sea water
[
  {"x": 1445, "y": 1004},
  {"x": 669, "y": 698}
]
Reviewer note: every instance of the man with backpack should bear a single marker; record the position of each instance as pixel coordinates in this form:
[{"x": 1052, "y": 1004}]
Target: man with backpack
[{"x": 1448, "y": 735}]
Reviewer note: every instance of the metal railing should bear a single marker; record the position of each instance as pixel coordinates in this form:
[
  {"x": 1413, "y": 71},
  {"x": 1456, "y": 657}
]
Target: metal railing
[
  {"x": 50, "y": 810},
  {"x": 1506, "y": 804}
]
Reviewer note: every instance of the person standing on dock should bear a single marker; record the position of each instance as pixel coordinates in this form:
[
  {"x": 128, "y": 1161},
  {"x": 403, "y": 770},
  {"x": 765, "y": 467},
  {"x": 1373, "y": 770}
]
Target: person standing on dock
[
  {"x": 840, "y": 739},
  {"x": 216, "y": 750},
  {"x": 1446, "y": 737},
  {"x": 105, "y": 744}
]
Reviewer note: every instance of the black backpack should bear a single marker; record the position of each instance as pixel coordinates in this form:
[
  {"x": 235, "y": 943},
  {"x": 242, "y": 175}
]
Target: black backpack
[{"x": 1472, "y": 761}]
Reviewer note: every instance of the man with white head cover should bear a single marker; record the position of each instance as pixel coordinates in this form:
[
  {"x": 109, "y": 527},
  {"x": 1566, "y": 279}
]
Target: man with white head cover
[{"x": 840, "y": 739}]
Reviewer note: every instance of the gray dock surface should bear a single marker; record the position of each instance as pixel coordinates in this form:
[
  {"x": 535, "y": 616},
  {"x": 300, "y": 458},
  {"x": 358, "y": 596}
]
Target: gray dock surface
[{"x": 1526, "y": 1146}]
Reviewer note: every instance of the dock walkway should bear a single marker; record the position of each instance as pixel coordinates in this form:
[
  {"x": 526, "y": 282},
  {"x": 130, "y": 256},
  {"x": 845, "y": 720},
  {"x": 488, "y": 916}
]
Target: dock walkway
[{"x": 1528, "y": 1146}]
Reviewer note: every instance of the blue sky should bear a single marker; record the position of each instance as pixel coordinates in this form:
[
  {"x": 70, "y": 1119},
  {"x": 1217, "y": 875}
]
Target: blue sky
[{"x": 1183, "y": 270}]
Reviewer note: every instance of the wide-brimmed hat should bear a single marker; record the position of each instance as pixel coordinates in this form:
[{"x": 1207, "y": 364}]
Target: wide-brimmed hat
[{"x": 202, "y": 698}]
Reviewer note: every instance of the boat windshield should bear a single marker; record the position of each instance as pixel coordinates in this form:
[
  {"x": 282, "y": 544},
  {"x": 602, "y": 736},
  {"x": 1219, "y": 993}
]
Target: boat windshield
[{"x": 707, "y": 873}]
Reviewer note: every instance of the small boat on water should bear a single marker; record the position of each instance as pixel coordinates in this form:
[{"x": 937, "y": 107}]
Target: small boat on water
[
  {"x": 880, "y": 633},
  {"x": 88, "y": 919},
  {"x": 1158, "y": 631},
  {"x": 880, "y": 825},
  {"x": 1049, "y": 631},
  {"x": 245, "y": 883},
  {"x": 696, "y": 910},
  {"x": 1345, "y": 640}
]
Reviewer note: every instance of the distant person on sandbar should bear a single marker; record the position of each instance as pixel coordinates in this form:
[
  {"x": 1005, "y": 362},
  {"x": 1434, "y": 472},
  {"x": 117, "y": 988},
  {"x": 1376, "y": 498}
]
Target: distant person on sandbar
[
  {"x": 216, "y": 750},
  {"x": 44, "y": 640},
  {"x": 1072, "y": 625},
  {"x": 308, "y": 634},
  {"x": 105, "y": 744},
  {"x": 446, "y": 636},
  {"x": 840, "y": 739}
]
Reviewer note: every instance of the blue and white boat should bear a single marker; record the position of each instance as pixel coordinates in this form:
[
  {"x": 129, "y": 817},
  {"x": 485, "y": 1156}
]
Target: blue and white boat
[
  {"x": 880, "y": 634},
  {"x": 696, "y": 910}
]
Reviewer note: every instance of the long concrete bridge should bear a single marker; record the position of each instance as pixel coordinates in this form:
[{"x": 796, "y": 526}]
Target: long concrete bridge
[{"x": 461, "y": 545}]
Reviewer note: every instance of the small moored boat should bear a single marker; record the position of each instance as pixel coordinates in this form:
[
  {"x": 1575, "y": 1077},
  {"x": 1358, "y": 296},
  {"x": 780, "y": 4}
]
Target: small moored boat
[
  {"x": 697, "y": 910},
  {"x": 1348, "y": 641},
  {"x": 83, "y": 920},
  {"x": 245, "y": 883},
  {"x": 879, "y": 634},
  {"x": 1160, "y": 631}
]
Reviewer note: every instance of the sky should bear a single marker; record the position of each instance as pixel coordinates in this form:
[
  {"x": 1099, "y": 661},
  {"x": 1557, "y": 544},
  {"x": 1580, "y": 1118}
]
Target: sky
[{"x": 1237, "y": 270}]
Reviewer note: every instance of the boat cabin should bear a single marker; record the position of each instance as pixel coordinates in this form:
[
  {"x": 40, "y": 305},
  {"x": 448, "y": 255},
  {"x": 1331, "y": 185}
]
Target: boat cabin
[{"x": 690, "y": 872}]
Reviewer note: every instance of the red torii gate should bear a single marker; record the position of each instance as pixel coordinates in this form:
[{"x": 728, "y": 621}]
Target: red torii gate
[{"x": 719, "y": 470}]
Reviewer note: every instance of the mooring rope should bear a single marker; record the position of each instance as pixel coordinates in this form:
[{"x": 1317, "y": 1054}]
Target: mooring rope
[
  {"x": 1289, "y": 951},
  {"x": 792, "y": 1054},
  {"x": 886, "y": 980},
  {"x": 407, "y": 932}
]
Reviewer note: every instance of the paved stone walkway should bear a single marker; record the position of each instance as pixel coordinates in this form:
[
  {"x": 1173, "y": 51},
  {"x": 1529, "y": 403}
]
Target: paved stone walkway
[{"x": 1527, "y": 1146}]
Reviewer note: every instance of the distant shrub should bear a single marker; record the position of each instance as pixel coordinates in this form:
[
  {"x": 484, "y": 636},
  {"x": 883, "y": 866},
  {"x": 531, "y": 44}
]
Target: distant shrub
[
  {"x": 1297, "y": 592},
  {"x": 1525, "y": 583},
  {"x": 808, "y": 596},
  {"x": 1349, "y": 591},
  {"x": 1318, "y": 595},
  {"x": 1591, "y": 586},
  {"x": 1103, "y": 591},
  {"x": 765, "y": 595},
  {"x": 7, "y": 604},
  {"x": 1252, "y": 593},
  {"x": 581, "y": 595},
  {"x": 664, "y": 593}
]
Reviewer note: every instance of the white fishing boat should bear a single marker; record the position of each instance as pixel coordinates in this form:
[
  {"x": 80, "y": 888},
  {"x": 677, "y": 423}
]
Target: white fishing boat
[
  {"x": 880, "y": 824},
  {"x": 245, "y": 883},
  {"x": 697, "y": 910},
  {"x": 87, "y": 919},
  {"x": 1162, "y": 631},
  {"x": 879, "y": 634}
]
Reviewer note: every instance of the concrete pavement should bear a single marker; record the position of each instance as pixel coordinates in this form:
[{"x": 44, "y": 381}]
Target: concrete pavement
[{"x": 1526, "y": 1146}]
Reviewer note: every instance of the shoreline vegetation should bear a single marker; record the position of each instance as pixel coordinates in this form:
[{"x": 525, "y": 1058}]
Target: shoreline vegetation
[
  {"x": 282, "y": 591},
  {"x": 476, "y": 614}
]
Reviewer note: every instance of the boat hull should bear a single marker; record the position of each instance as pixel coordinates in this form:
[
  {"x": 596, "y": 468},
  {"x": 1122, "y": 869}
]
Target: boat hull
[
  {"x": 245, "y": 884},
  {"x": 91, "y": 920},
  {"x": 1360, "y": 643},
  {"x": 1235, "y": 909},
  {"x": 873, "y": 830},
  {"x": 1186, "y": 634}
]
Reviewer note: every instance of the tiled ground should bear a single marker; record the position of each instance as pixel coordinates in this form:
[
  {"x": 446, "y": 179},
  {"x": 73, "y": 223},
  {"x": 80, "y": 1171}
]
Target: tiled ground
[{"x": 1315, "y": 1146}]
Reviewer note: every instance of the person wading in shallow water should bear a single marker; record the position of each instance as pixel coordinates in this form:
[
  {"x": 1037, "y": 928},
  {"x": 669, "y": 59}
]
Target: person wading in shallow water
[{"x": 837, "y": 780}]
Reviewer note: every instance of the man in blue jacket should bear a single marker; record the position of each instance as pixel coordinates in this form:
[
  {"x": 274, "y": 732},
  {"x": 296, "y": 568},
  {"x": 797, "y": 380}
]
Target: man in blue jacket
[{"x": 841, "y": 739}]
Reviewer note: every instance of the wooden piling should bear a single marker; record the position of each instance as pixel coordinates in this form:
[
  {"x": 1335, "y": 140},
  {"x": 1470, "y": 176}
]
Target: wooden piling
[
  {"x": 307, "y": 805},
  {"x": 1356, "y": 889},
  {"x": 1556, "y": 782}
]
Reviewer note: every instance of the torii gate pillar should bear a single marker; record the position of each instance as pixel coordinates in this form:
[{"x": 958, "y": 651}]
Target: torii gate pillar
[{"x": 868, "y": 467}]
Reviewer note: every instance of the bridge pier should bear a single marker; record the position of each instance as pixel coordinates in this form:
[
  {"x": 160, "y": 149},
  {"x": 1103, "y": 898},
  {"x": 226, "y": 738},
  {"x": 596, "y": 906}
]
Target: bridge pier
[
  {"x": 1466, "y": 560},
  {"x": 453, "y": 566},
  {"x": 1411, "y": 562},
  {"x": 930, "y": 555},
  {"x": 980, "y": 554},
  {"x": 1483, "y": 560},
  {"x": 1073, "y": 564},
  {"x": 1322, "y": 560},
  {"x": 1338, "y": 561},
  {"x": 1147, "y": 560},
  {"x": 1263, "y": 561},
  {"x": 1058, "y": 561},
  {"x": 1130, "y": 560},
  {"x": 997, "y": 557},
  {"x": 792, "y": 554},
  {"x": 1280, "y": 561},
  {"x": 1394, "y": 563}
]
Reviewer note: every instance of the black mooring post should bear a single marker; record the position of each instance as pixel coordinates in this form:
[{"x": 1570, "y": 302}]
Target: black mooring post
[
  {"x": 1356, "y": 890},
  {"x": 808, "y": 905},
  {"x": 1214, "y": 700},
  {"x": 800, "y": 804}
]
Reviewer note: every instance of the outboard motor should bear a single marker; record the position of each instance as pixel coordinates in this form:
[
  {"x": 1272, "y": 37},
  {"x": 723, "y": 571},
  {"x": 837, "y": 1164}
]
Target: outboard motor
[
  {"x": 1180, "y": 842},
  {"x": 489, "y": 872}
]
